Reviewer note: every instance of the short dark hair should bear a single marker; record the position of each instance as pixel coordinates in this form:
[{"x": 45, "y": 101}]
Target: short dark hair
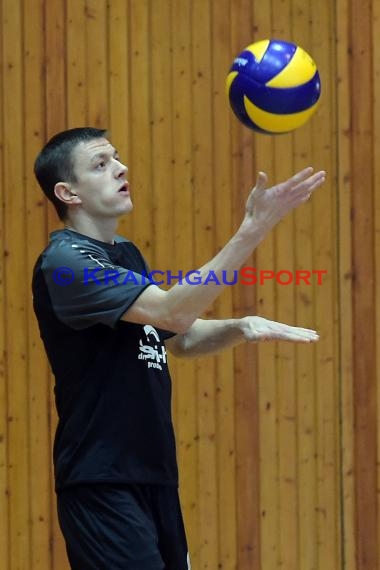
[{"x": 55, "y": 162}]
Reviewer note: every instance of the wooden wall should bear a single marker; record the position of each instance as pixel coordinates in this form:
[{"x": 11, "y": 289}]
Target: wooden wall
[{"x": 278, "y": 445}]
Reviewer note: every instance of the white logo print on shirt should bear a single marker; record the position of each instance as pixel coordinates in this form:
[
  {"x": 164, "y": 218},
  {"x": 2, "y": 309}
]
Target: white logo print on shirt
[{"x": 153, "y": 352}]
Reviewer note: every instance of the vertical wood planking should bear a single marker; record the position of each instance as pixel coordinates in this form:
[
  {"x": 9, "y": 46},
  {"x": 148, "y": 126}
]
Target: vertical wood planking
[
  {"x": 285, "y": 353},
  {"x": 55, "y": 69},
  {"x": 96, "y": 63},
  {"x": 162, "y": 147},
  {"x": 363, "y": 292},
  {"x": 244, "y": 301},
  {"x": 345, "y": 276},
  {"x": 119, "y": 107},
  {"x": 286, "y": 382},
  {"x": 55, "y": 121},
  {"x": 4, "y": 437},
  {"x": 40, "y": 473},
  {"x": 76, "y": 64},
  {"x": 325, "y": 248},
  {"x": 204, "y": 248},
  {"x": 118, "y": 49},
  {"x": 221, "y": 205},
  {"x": 15, "y": 311},
  {"x": 162, "y": 151},
  {"x": 56, "y": 83},
  {"x": 376, "y": 211},
  {"x": 266, "y": 352},
  {"x": 140, "y": 125},
  {"x": 184, "y": 388},
  {"x": 306, "y": 465}
]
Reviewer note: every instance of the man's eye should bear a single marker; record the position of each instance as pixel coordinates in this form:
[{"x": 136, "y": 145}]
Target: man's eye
[{"x": 101, "y": 164}]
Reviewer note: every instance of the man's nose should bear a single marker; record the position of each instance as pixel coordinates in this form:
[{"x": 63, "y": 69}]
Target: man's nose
[{"x": 121, "y": 169}]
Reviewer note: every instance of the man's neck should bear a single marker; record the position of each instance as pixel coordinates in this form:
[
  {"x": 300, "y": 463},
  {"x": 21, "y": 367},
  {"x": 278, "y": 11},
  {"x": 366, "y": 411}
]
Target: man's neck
[{"x": 104, "y": 231}]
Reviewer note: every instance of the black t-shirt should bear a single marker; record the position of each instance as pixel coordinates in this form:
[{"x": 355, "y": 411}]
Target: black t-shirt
[{"x": 112, "y": 384}]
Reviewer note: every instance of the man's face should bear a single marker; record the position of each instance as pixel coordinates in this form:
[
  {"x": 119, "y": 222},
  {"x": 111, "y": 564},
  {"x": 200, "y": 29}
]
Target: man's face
[{"x": 101, "y": 182}]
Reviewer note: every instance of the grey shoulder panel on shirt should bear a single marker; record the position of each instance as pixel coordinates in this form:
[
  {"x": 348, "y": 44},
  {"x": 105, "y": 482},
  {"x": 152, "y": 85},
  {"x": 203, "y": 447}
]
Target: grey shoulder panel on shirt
[
  {"x": 85, "y": 286},
  {"x": 67, "y": 250}
]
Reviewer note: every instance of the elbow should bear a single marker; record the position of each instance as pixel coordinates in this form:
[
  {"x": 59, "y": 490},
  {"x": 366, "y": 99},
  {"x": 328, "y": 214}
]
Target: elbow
[
  {"x": 172, "y": 314},
  {"x": 178, "y": 323}
]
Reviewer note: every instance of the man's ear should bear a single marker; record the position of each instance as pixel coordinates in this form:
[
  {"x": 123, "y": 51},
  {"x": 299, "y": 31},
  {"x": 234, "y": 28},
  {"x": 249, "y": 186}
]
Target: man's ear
[{"x": 63, "y": 192}]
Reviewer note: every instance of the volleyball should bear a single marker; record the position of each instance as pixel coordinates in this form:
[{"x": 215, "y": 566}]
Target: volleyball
[{"x": 273, "y": 86}]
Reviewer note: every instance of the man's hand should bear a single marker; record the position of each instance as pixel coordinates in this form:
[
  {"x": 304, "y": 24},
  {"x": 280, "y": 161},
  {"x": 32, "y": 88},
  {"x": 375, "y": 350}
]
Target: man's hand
[
  {"x": 267, "y": 206},
  {"x": 179, "y": 307},
  {"x": 207, "y": 337},
  {"x": 257, "y": 329}
]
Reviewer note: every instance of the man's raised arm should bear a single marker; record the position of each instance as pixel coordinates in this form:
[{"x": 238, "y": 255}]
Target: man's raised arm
[{"x": 178, "y": 308}]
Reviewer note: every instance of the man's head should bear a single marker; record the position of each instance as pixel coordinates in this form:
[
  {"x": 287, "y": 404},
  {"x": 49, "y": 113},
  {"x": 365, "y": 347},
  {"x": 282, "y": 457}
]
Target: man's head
[{"x": 80, "y": 168}]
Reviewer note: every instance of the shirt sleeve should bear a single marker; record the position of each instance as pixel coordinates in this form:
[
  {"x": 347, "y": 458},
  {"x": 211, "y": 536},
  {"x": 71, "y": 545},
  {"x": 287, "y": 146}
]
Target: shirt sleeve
[{"x": 86, "y": 288}]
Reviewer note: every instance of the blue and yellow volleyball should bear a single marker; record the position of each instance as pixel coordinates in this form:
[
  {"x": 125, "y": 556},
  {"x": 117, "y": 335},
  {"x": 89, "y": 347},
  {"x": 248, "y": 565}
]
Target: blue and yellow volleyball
[{"x": 273, "y": 86}]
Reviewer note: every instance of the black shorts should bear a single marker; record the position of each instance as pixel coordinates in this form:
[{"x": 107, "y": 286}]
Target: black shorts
[{"x": 123, "y": 527}]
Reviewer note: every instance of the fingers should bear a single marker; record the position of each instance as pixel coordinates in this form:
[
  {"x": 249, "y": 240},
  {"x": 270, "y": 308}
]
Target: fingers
[
  {"x": 306, "y": 176},
  {"x": 292, "y": 334},
  {"x": 301, "y": 175},
  {"x": 260, "y": 329},
  {"x": 302, "y": 191},
  {"x": 270, "y": 205},
  {"x": 302, "y": 179},
  {"x": 261, "y": 184},
  {"x": 300, "y": 335},
  {"x": 315, "y": 180},
  {"x": 261, "y": 181},
  {"x": 306, "y": 189}
]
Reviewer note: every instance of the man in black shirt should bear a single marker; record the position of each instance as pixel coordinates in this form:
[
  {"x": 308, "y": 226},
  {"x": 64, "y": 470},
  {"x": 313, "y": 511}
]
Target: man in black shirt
[{"x": 106, "y": 328}]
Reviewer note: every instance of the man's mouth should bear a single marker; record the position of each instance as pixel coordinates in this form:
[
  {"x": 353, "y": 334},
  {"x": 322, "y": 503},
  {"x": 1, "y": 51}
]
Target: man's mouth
[{"x": 124, "y": 189}]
